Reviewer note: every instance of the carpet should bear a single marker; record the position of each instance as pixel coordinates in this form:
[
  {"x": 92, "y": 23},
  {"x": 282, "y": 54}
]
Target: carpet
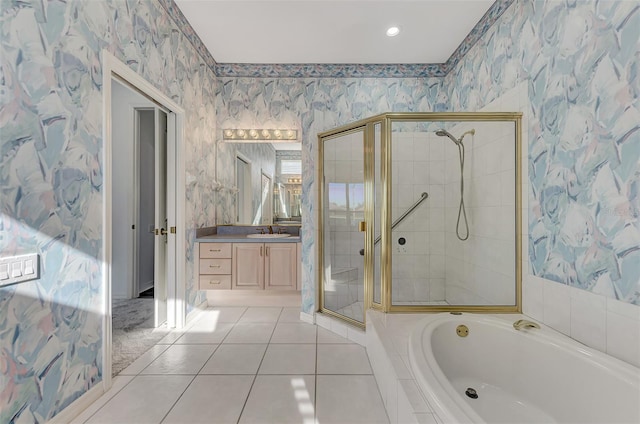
[{"x": 133, "y": 331}]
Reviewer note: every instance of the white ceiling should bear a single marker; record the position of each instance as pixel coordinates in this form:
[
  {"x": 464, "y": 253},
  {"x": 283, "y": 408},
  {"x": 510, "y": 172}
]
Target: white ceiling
[{"x": 330, "y": 31}]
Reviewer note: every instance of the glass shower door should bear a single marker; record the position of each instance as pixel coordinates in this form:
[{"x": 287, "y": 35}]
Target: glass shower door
[{"x": 342, "y": 220}]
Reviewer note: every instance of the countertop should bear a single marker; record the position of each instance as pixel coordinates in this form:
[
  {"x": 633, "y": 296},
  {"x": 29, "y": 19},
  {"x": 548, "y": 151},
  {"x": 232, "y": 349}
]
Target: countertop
[{"x": 242, "y": 238}]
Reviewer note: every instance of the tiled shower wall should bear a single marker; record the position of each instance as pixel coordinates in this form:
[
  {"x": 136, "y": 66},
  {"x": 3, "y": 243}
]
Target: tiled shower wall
[
  {"x": 481, "y": 269},
  {"x": 418, "y": 266}
]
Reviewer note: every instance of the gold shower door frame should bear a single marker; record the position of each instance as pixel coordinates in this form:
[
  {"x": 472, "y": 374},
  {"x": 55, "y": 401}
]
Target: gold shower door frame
[{"x": 386, "y": 121}]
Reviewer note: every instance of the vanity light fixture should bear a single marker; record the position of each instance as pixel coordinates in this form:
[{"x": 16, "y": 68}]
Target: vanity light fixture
[
  {"x": 250, "y": 135},
  {"x": 393, "y": 31}
]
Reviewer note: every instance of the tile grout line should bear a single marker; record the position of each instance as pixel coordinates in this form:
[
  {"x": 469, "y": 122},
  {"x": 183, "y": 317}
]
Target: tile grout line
[
  {"x": 179, "y": 397},
  {"x": 133, "y": 377},
  {"x": 194, "y": 376},
  {"x": 110, "y": 399},
  {"x": 244, "y": 405}
]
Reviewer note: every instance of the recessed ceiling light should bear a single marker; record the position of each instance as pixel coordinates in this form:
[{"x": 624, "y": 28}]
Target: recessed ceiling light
[{"x": 393, "y": 31}]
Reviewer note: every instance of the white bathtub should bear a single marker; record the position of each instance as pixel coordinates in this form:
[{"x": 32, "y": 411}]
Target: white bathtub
[{"x": 528, "y": 376}]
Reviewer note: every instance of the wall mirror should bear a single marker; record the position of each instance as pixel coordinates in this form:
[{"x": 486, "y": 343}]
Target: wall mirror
[{"x": 261, "y": 182}]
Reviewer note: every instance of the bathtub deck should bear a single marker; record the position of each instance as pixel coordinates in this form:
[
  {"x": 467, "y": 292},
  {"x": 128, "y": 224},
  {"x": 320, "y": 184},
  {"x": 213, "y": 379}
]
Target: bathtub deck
[{"x": 387, "y": 347}]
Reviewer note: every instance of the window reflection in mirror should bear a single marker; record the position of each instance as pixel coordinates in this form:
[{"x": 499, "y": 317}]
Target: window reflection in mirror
[{"x": 287, "y": 194}]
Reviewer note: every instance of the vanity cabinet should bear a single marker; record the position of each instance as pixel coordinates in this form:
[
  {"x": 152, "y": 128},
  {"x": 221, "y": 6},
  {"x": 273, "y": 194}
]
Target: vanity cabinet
[
  {"x": 215, "y": 266},
  {"x": 270, "y": 266},
  {"x": 249, "y": 266},
  {"x": 280, "y": 270}
]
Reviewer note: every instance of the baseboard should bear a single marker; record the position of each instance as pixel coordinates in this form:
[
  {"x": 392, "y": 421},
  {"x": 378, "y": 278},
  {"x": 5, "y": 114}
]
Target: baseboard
[
  {"x": 77, "y": 406},
  {"x": 310, "y": 318},
  {"x": 195, "y": 312}
]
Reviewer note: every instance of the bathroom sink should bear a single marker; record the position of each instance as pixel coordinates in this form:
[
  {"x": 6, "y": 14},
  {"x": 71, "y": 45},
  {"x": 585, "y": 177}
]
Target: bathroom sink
[{"x": 268, "y": 236}]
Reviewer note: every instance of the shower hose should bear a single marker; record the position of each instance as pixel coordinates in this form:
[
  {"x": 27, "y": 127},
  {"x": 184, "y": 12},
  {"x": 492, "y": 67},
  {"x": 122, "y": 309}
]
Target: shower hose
[{"x": 461, "y": 209}]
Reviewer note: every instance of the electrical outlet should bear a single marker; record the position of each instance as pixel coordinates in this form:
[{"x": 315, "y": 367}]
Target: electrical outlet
[{"x": 18, "y": 269}]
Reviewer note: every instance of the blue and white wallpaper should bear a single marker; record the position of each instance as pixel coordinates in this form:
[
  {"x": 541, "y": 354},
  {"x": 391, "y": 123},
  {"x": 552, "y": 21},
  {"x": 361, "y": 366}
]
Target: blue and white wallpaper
[
  {"x": 51, "y": 180},
  {"x": 581, "y": 61}
]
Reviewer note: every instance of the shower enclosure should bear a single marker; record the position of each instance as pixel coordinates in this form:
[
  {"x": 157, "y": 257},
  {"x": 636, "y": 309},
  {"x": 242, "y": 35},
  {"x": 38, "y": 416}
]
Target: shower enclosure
[{"x": 420, "y": 212}]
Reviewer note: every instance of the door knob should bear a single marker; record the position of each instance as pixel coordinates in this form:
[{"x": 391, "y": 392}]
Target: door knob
[{"x": 161, "y": 232}]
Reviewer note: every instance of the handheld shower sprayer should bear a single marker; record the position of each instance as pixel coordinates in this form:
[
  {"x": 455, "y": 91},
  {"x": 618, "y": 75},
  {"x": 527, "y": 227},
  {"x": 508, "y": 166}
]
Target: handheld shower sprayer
[
  {"x": 462, "y": 213},
  {"x": 445, "y": 133},
  {"x": 457, "y": 141}
]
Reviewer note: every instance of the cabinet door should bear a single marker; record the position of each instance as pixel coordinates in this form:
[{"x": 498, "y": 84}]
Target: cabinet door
[
  {"x": 280, "y": 266},
  {"x": 248, "y": 266}
]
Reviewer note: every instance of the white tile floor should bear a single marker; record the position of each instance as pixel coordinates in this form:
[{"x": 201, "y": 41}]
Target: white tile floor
[{"x": 245, "y": 365}]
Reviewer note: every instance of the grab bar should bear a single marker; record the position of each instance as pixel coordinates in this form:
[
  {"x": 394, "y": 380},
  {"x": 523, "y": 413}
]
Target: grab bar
[{"x": 397, "y": 222}]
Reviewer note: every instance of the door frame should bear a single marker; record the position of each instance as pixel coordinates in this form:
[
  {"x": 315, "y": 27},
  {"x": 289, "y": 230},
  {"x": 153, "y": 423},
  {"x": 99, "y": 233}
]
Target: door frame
[{"x": 113, "y": 68}]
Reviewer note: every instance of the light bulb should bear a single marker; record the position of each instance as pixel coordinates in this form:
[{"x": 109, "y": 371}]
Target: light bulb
[{"x": 393, "y": 31}]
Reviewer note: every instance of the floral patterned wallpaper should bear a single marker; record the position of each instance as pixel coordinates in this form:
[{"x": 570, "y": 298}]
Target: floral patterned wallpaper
[{"x": 51, "y": 180}]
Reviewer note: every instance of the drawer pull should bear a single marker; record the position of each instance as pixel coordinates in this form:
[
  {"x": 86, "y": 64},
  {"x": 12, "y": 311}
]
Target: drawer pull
[
  {"x": 214, "y": 282},
  {"x": 215, "y": 250},
  {"x": 214, "y": 266}
]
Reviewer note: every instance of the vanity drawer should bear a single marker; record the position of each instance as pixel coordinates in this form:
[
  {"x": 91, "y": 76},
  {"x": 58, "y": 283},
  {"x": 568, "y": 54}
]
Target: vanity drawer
[
  {"x": 215, "y": 266},
  {"x": 215, "y": 282},
  {"x": 215, "y": 250}
]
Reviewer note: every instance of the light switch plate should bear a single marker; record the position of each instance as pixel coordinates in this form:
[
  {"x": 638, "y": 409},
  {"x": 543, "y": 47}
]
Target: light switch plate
[{"x": 18, "y": 269}]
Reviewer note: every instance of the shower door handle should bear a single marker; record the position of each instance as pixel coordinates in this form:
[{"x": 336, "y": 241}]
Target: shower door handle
[{"x": 362, "y": 226}]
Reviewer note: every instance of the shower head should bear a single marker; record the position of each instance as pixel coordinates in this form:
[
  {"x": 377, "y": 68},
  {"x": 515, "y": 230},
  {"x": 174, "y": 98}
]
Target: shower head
[
  {"x": 458, "y": 141},
  {"x": 445, "y": 133}
]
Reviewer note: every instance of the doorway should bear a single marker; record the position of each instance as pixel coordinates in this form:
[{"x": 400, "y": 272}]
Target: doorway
[
  {"x": 136, "y": 222},
  {"x": 139, "y": 307}
]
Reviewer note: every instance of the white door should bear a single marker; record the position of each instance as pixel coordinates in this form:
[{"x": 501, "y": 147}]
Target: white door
[{"x": 160, "y": 245}]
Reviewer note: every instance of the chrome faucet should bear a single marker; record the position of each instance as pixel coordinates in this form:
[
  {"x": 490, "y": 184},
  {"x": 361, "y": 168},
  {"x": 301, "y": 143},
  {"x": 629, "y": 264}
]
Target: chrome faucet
[{"x": 523, "y": 323}]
